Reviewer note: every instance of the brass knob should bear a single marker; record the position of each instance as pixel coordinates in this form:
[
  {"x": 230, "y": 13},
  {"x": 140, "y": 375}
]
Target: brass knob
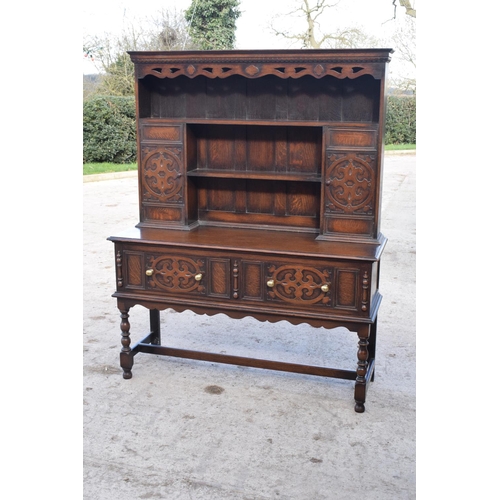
[
  {"x": 270, "y": 283},
  {"x": 198, "y": 277},
  {"x": 325, "y": 288},
  {"x": 149, "y": 272}
]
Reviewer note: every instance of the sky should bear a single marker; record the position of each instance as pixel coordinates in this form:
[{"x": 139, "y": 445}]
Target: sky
[{"x": 253, "y": 27}]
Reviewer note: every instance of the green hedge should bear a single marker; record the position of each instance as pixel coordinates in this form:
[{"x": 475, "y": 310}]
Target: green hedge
[
  {"x": 401, "y": 120},
  {"x": 109, "y": 130},
  {"x": 109, "y": 127}
]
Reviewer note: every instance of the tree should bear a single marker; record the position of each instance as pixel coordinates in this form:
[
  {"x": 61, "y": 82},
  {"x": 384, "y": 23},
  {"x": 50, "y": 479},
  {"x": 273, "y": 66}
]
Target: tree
[
  {"x": 408, "y": 6},
  {"x": 309, "y": 11},
  {"x": 170, "y": 31},
  {"x": 116, "y": 71},
  {"x": 309, "y": 33},
  {"x": 404, "y": 40},
  {"x": 164, "y": 31},
  {"x": 212, "y": 23}
]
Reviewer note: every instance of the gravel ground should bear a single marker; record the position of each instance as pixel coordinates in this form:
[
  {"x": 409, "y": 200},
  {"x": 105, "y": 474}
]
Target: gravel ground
[{"x": 182, "y": 429}]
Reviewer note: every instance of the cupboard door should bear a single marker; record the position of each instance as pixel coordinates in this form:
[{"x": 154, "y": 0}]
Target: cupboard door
[{"x": 351, "y": 184}]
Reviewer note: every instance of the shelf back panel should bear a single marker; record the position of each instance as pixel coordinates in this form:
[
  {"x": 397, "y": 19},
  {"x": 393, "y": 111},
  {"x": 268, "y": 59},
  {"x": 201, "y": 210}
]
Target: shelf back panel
[
  {"x": 257, "y": 149},
  {"x": 266, "y": 98},
  {"x": 255, "y": 202}
]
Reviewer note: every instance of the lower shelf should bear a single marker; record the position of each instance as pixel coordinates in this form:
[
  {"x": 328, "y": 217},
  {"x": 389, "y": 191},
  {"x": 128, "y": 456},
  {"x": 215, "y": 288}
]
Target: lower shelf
[{"x": 145, "y": 346}]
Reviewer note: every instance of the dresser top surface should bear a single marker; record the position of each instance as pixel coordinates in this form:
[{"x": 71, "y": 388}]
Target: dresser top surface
[
  {"x": 370, "y": 55},
  {"x": 253, "y": 240}
]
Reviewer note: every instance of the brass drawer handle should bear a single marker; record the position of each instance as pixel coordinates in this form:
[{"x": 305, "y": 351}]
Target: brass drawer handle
[
  {"x": 325, "y": 288},
  {"x": 149, "y": 272},
  {"x": 270, "y": 283},
  {"x": 198, "y": 277}
]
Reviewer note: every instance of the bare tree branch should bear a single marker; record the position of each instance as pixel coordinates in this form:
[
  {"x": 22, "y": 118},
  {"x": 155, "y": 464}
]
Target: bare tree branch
[
  {"x": 409, "y": 8},
  {"x": 312, "y": 37},
  {"x": 407, "y": 5}
]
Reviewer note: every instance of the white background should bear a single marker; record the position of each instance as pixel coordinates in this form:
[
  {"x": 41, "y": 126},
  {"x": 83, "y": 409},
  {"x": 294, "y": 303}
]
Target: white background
[{"x": 253, "y": 26}]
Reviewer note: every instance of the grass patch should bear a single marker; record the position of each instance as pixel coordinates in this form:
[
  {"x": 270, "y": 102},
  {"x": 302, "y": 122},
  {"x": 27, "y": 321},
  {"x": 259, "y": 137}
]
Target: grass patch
[
  {"x": 106, "y": 168},
  {"x": 399, "y": 147}
]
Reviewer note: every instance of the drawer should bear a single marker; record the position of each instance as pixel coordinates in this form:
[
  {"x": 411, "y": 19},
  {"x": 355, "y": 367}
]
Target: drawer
[
  {"x": 175, "y": 273},
  {"x": 300, "y": 284},
  {"x": 294, "y": 283}
]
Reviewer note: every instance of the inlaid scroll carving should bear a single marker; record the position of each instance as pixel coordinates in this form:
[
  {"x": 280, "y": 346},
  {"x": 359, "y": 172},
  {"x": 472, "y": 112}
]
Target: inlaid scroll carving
[
  {"x": 350, "y": 183},
  {"x": 162, "y": 174},
  {"x": 299, "y": 284},
  {"x": 176, "y": 274}
]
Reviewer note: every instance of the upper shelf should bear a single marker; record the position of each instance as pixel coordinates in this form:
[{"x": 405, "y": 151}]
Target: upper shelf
[
  {"x": 256, "y": 174},
  {"x": 267, "y": 98}
]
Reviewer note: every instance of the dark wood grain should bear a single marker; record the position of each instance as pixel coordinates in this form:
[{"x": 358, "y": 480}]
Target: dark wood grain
[{"x": 260, "y": 177}]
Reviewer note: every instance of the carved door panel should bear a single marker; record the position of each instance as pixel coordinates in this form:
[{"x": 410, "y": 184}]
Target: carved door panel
[
  {"x": 351, "y": 183},
  {"x": 162, "y": 174},
  {"x": 162, "y": 177}
]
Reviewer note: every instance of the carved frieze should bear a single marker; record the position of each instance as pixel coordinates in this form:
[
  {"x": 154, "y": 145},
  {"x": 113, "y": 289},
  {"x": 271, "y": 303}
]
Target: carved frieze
[{"x": 256, "y": 70}]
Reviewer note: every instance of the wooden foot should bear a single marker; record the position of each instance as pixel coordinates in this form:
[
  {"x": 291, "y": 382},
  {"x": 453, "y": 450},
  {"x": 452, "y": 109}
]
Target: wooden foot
[
  {"x": 359, "y": 407},
  {"x": 126, "y": 356}
]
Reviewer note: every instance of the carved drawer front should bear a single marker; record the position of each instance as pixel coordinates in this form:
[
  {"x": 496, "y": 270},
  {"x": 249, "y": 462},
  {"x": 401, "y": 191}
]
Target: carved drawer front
[
  {"x": 194, "y": 275},
  {"x": 176, "y": 274},
  {"x": 299, "y": 285},
  {"x": 344, "y": 288},
  {"x": 338, "y": 286},
  {"x": 173, "y": 273}
]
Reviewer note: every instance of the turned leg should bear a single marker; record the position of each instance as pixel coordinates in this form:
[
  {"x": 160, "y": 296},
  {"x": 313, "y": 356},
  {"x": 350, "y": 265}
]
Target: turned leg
[
  {"x": 126, "y": 356},
  {"x": 361, "y": 382},
  {"x": 154, "y": 321}
]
